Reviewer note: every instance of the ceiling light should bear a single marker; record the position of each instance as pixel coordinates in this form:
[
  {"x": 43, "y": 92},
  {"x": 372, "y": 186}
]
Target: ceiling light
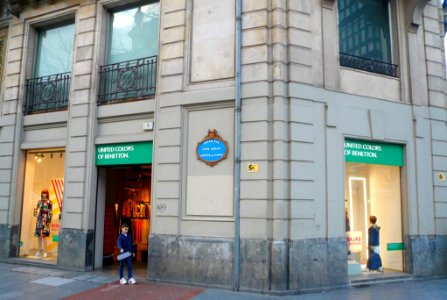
[{"x": 39, "y": 157}]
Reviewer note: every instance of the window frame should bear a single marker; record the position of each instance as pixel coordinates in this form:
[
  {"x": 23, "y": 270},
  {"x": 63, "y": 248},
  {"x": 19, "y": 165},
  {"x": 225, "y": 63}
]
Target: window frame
[
  {"x": 390, "y": 68},
  {"x": 38, "y": 31},
  {"x": 121, "y": 8}
]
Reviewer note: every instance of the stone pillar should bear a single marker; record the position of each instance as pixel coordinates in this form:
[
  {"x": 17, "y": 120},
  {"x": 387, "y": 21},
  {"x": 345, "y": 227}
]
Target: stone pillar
[
  {"x": 256, "y": 129},
  {"x": 76, "y": 236},
  {"x": 280, "y": 31},
  {"x": 10, "y": 130}
]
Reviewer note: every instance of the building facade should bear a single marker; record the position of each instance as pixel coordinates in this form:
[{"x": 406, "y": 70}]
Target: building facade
[{"x": 246, "y": 143}]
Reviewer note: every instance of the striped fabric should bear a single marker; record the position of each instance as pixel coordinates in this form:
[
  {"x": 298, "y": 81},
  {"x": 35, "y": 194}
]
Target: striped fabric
[{"x": 58, "y": 187}]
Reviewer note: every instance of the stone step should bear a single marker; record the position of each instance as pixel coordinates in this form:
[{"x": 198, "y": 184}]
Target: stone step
[{"x": 379, "y": 278}]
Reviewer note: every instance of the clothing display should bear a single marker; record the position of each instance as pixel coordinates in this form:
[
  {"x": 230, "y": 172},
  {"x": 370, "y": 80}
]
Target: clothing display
[
  {"x": 43, "y": 212},
  {"x": 133, "y": 209},
  {"x": 140, "y": 230}
]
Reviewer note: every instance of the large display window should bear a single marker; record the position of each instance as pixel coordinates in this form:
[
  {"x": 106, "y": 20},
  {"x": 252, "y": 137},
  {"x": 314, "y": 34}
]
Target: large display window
[
  {"x": 42, "y": 204},
  {"x": 373, "y": 207}
]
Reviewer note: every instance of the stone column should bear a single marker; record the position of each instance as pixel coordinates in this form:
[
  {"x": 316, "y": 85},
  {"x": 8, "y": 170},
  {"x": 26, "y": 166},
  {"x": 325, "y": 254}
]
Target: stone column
[
  {"x": 10, "y": 130},
  {"x": 77, "y": 232}
]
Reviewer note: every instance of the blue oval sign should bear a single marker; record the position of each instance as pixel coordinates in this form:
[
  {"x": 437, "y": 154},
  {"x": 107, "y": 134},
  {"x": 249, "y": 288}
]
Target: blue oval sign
[{"x": 212, "y": 150}]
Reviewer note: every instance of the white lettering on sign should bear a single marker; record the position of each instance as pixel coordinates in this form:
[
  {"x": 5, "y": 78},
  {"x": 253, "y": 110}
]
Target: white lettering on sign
[
  {"x": 362, "y": 150},
  {"x": 115, "y": 152},
  {"x": 128, "y": 148}
]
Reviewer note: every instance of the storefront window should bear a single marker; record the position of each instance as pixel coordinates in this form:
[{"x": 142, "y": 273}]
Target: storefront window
[
  {"x": 42, "y": 204},
  {"x": 372, "y": 188}
]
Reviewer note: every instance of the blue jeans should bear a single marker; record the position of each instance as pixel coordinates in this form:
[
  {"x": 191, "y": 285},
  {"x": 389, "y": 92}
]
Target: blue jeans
[{"x": 129, "y": 267}]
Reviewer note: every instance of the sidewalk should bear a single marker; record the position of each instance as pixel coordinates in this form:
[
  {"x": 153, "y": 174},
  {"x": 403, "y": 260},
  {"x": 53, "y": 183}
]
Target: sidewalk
[
  {"x": 36, "y": 282},
  {"x": 140, "y": 290},
  {"x": 409, "y": 290}
]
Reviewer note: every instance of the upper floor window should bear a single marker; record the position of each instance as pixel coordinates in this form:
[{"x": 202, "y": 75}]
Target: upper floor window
[
  {"x": 365, "y": 36},
  {"x": 134, "y": 33},
  {"x": 49, "y": 88},
  {"x": 132, "y": 54},
  {"x": 54, "y": 51}
]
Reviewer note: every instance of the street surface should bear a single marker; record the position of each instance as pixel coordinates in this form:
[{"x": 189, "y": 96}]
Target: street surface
[{"x": 35, "y": 282}]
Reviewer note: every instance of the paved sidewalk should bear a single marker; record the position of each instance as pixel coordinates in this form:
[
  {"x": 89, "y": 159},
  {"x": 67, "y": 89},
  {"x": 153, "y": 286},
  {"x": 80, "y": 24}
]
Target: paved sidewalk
[
  {"x": 409, "y": 290},
  {"x": 35, "y": 282},
  {"x": 143, "y": 290}
]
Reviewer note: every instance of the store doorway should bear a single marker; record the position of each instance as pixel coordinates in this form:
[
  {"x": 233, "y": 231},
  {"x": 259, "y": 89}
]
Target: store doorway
[
  {"x": 123, "y": 197},
  {"x": 373, "y": 191}
]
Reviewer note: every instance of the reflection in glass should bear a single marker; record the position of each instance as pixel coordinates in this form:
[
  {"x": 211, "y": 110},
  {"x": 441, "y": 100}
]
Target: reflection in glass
[
  {"x": 54, "y": 50},
  {"x": 364, "y": 29},
  {"x": 134, "y": 33}
]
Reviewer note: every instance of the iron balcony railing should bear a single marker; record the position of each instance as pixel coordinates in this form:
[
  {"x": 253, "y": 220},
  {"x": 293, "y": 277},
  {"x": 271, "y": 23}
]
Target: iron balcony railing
[
  {"x": 47, "y": 93},
  {"x": 127, "y": 80},
  {"x": 364, "y": 64}
]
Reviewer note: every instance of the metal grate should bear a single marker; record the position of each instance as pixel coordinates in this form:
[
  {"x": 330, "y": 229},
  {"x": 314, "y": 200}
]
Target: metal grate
[
  {"x": 364, "y": 64},
  {"x": 127, "y": 80},
  {"x": 47, "y": 93}
]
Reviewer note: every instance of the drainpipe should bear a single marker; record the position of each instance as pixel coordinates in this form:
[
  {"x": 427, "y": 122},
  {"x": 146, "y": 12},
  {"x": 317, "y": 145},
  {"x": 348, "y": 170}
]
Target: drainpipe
[{"x": 237, "y": 151}]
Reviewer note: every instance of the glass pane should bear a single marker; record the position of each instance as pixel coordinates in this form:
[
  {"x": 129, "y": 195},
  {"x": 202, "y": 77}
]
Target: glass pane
[
  {"x": 42, "y": 205},
  {"x": 134, "y": 33},
  {"x": 374, "y": 190},
  {"x": 364, "y": 29},
  {"x": 54, "y": 50}
]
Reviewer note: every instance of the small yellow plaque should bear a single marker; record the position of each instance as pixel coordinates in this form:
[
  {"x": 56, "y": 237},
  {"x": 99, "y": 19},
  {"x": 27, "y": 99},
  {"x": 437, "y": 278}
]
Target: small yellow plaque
[
  {"x": 441, "y": 176},
  {"x": 252, "y": 168}
]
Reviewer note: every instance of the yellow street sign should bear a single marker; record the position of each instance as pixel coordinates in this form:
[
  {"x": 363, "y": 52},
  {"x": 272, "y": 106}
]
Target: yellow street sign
[{"x": 252, "y": 168}]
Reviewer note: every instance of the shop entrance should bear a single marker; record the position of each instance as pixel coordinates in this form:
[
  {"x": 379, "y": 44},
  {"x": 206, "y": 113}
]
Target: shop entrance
[
  {"x": 123, "y": 197},
  {"x": 373, "y": 188}
]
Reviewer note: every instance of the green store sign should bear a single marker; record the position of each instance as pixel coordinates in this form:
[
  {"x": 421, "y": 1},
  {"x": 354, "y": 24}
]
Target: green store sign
[
  {"x": 395, "y": 246},
  {"x": 124, "y": 154},
  {"x": 374, "y": 153}
]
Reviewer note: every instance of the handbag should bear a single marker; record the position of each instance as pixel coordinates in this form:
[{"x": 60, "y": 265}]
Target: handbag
[{"x": 124, "y": 255}]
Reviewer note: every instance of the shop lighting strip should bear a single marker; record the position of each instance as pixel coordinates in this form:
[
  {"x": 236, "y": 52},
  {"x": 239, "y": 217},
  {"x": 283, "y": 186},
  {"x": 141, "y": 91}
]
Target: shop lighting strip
[
  {"x": 365, "y": 205},
  {"x": 46, "y": 151}
]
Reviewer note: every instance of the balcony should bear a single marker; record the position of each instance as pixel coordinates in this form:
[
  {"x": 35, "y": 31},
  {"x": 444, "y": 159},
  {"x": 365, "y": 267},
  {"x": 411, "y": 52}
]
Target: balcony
[
  {"x": 129, "y": 80},
  {"x": 368, "y": 65},
  {"x": 47, "y": 93}
]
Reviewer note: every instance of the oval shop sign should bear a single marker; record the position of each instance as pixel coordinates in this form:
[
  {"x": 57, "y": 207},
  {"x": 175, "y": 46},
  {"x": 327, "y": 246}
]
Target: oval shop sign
[{"x": 212, "y": 149}]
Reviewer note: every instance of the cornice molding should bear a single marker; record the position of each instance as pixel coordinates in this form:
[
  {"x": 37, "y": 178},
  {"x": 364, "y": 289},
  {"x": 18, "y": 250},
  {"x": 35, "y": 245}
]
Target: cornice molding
[
  {"x": 329, "y": 4},
  {"x": 413, "y": 13}
]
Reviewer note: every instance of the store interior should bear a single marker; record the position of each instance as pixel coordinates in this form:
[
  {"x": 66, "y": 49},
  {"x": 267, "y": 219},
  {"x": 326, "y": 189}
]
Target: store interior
[
  {"x": 373, "y": 190},
  {"x": 44, "y": 169},
  {"x": 127, "y": 200}
]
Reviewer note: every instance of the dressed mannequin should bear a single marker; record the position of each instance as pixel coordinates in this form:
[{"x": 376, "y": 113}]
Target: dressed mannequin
[{"x": 43, "y": 212}]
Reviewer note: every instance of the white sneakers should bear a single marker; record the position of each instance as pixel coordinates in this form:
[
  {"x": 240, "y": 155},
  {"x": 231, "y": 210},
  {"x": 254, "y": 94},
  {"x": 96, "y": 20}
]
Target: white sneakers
[
  {"x": 124, "y": 281},
  {"x": 38, "y": 254}
]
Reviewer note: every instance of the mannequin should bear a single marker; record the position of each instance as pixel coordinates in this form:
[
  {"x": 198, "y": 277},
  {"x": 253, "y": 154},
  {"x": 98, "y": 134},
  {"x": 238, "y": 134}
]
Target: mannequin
[{"x": 43, "y": 212}]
